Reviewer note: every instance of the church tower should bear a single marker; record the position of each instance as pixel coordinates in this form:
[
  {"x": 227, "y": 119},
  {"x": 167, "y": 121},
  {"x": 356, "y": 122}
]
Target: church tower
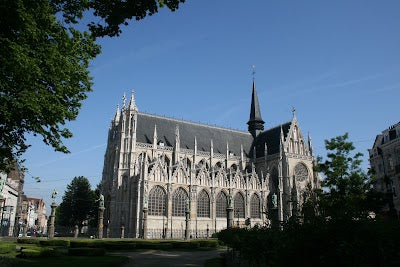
[{"x": 256, "y": 124}]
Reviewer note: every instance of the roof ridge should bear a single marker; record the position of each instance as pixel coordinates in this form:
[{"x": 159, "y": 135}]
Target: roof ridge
[{"x": 194, "y": 123}]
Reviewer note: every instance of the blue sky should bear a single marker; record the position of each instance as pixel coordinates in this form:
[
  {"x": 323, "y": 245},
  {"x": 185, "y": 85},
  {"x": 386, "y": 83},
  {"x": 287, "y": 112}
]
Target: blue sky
[{"x": 337, "y": 62}]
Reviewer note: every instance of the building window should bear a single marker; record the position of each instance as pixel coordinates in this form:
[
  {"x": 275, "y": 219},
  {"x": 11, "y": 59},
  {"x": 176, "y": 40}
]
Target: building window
[
  {"x": 179, "y": 202},
  {"x": 255, "y": 206},
  {"x": 157, "y": 201},
  {"x": 239, "y": 206},
  {"x": 203, "y": 205},
  {"x": 300, "y": 172},
  {"x": 221, "y": 205}
]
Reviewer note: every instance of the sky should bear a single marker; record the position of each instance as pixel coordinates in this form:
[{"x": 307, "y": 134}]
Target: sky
[{"x": 336, "y": 62}]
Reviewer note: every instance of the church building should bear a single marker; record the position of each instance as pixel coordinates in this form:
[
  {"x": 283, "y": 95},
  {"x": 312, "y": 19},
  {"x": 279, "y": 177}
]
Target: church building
[{"x": 170, "y": 178}]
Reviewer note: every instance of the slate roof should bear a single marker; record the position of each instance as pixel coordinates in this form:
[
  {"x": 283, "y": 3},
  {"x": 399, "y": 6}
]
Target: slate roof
[
  {"x": 188, "y": 130},
  {"x": 204, "y": 133},
  {"x": 271, "y": 137}
]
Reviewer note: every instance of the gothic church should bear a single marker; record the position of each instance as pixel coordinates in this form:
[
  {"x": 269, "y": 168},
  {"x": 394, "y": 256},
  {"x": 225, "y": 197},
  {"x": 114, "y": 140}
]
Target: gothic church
[{"x": 169, "y": 178}]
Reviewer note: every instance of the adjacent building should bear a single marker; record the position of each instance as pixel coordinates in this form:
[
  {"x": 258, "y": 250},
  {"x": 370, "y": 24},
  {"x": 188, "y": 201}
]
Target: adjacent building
[
  {"x": 11, "y": 189},
  {"x": 384, "y": 158},
  {"x": 169, "y": 178}
]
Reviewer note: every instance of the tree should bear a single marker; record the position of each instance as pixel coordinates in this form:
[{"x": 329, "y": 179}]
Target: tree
[
  {"x": 78, "y": 203},
  {"x": 348, "y": 192},
  {"x": 44, "y": 61}
]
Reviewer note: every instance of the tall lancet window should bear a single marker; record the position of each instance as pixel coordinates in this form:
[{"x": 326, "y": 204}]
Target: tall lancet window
[
  {"x": 221, "y": 205},
  {"x": 157, "y": 201},
  {"x": 238, "y": 205},
  {"x": 179, "y": 202},
  {"x": 255, "y": 206},
  {"x": 203, "y": 205}
]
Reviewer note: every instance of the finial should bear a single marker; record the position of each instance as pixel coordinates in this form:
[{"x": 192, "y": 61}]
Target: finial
[
  {"x": 124, "y": 100},
  {"x": 294, "y": 111},
  {"x": 253, "y": 71}
]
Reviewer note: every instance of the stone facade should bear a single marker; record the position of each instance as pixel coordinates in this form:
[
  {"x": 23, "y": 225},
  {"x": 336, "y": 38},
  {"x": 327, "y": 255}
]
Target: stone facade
[
  {"x": 163, "y": 176},
  {"x": 384, "y": 158}
]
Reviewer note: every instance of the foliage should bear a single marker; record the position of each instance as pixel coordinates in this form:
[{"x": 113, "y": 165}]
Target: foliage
[
  {"x": 44, "y": 74},
  {"x": 348, "y": 189},
  {"x": 78, "y": 202},
  {"x": 109, "y": 15},
  {"x": 329, "y": 243}
]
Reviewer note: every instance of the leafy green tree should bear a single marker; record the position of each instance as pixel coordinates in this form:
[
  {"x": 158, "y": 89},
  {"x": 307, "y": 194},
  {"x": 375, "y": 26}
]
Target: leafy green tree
[
  {"x": 78, "y": 203},
  {"x": 44, "y": 61},
  {"x": 347, "y": 190}
]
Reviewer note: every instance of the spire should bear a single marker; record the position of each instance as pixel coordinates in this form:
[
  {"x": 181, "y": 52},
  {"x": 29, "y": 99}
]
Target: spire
[
  {"x": 281, "y": 141},
  {"x": 256, "y": 124},
  {"x": 117, "y": 114},
  {"x": 195, "y": 146},
  {"x": 132, "y": 103},
  {"x": 211, "y": 149},
  {"x": 177, "y": 138},
  {"x": 310, "y": 147},
  {"x": 155, "y": 138},
  {"x": 124, "y": 101},
  {"x": 227, "y": 150}
]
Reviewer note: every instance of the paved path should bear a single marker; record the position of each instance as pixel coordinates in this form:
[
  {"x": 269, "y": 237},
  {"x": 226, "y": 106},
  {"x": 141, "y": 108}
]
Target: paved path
[{"x": 169, "y": 258}]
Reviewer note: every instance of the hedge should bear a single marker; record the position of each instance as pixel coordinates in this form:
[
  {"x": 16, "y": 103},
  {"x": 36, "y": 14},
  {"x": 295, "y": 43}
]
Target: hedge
[
  {"x": 29, "y": 253},
  {"x": 55, "y": 242},
  {"x": 86, "y": 251},
  {"x": 29, "y": 240}
]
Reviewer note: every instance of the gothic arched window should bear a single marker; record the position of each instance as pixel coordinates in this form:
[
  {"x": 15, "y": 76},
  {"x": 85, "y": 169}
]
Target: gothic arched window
[
  {"x": 157, "y": 201},
  {"x": 300, "y": 172},
  {"x": 255, "y": 207},
  {"x": 221, "y": 205},
  {"x": 179, "y": 202},
  {"x": 203, "y": 205},
  {"x": 238, "y": 205}
]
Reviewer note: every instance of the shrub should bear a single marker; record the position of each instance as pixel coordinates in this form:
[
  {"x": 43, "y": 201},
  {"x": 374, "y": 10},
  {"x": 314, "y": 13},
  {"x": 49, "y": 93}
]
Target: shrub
[
  {"x": 86, "y": 251},
  {"x": 55, "y": 242}
]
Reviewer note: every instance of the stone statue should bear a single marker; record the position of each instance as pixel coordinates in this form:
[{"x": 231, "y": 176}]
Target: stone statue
[
  {"x": 230, "y": 201},
  {"x": 101, "y": 201},
  {"x": 187, "y": 204},
  {"x": 274, "y": 201},
  {"x": 54, "y": 195}
]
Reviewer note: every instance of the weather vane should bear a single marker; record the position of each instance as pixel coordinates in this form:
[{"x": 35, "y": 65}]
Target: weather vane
[
  {"x": 294, "y": 111},
  {"x": 253, "y": 70}
]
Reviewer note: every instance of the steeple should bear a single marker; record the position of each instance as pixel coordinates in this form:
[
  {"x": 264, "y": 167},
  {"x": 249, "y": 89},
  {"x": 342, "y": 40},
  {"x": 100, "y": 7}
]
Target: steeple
[{"x": 256, "y": 124}]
